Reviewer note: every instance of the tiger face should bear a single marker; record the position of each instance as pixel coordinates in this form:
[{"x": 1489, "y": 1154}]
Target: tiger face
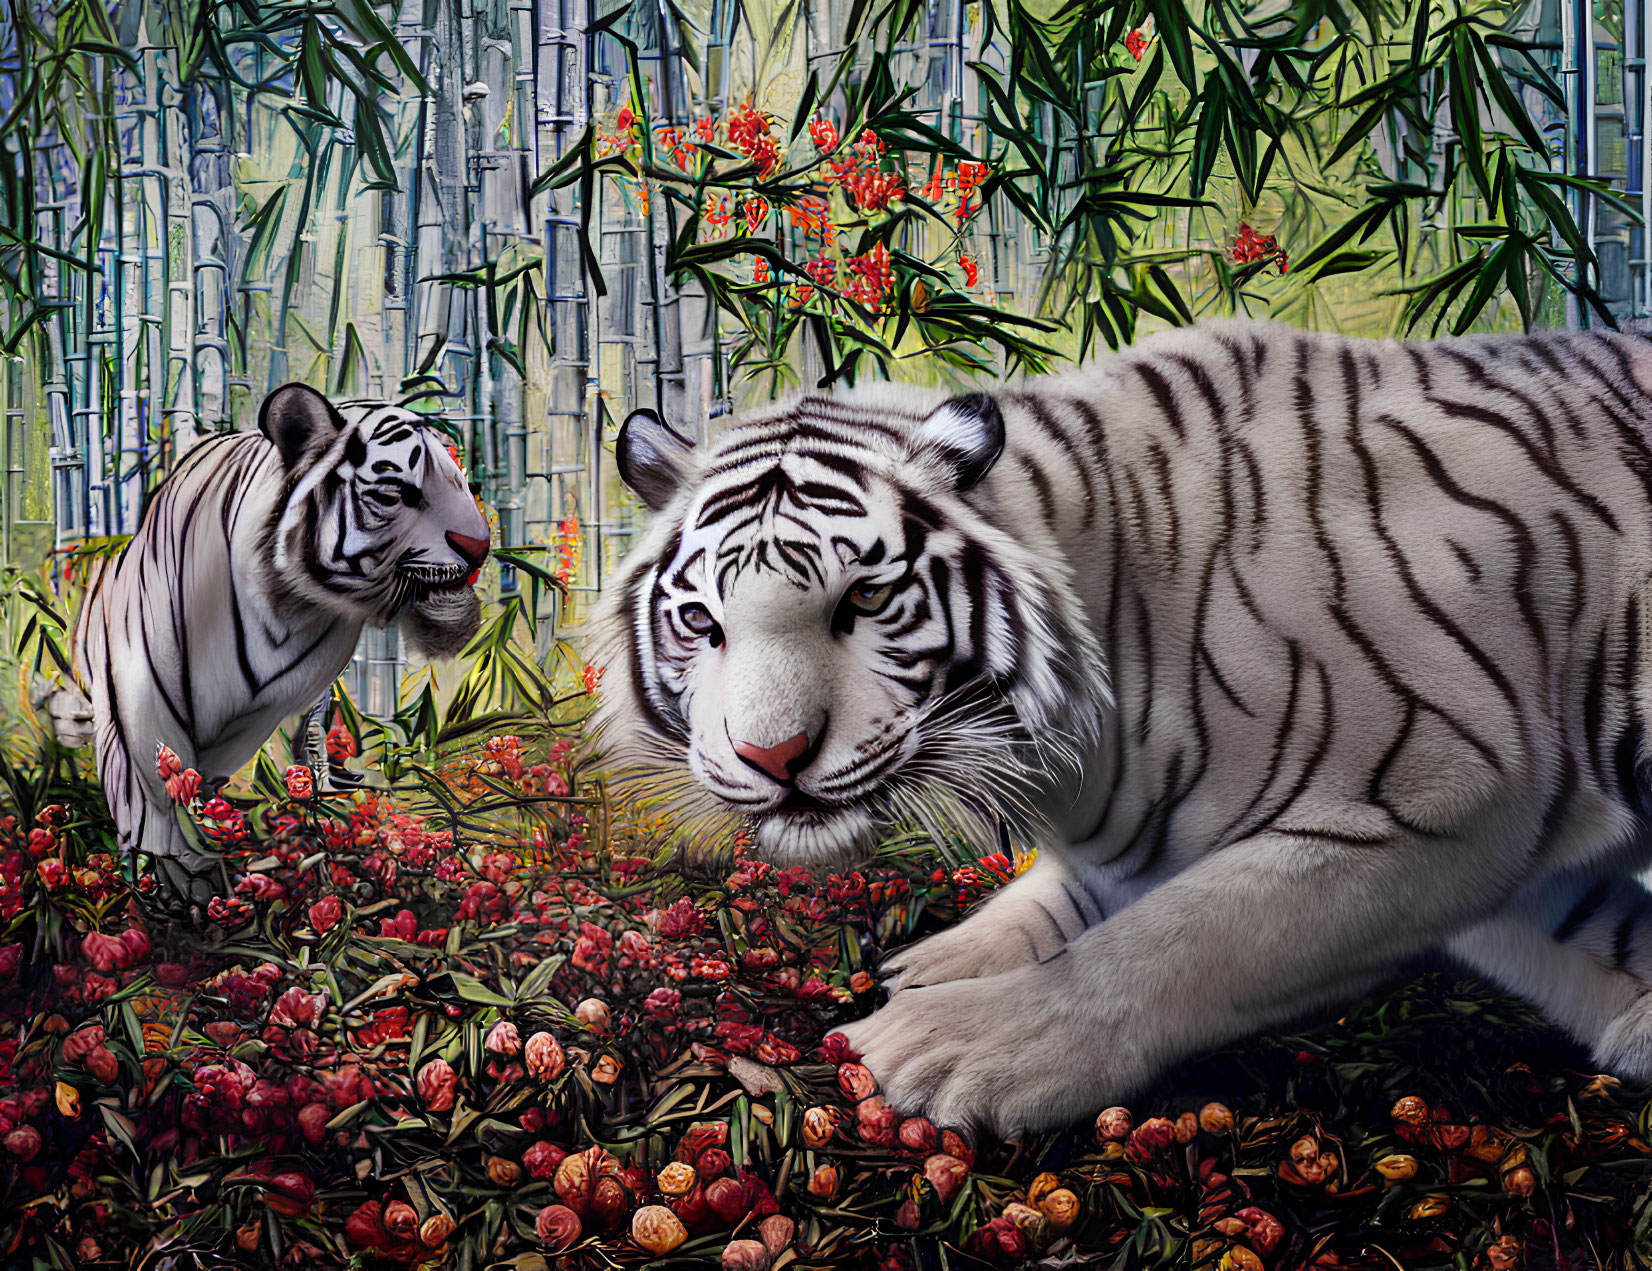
[
  {"x": 377, "y": 522},
  {"x": 825, "y": 631}
]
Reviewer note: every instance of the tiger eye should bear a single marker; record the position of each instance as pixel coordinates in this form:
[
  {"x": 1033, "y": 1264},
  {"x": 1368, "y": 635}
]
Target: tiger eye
[
  {"x": 701, "y": 622},
  {"x": 869, "y": 599}
]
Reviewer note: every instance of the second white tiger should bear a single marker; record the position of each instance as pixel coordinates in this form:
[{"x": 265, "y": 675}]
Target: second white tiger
[{"x": 243, "y": 593}]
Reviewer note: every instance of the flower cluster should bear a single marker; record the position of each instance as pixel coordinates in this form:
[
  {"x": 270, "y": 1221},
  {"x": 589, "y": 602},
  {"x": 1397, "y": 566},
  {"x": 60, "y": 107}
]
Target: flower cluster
[
  {"x": 960, "y": 185},
  {"x": 750, "y": 132},
  {"x": 676, "y": 143},
  {"x": 871, "y": 278},
  {"x": 567, "y": 544},
  {"x": 868, "y": 185},
  {"x": 1251, "y": 247},
  {"x": 501, "y": 1025}
]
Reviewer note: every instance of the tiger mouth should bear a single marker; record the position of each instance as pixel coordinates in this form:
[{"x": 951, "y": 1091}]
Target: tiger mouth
[{"x": 433, "y": 578}]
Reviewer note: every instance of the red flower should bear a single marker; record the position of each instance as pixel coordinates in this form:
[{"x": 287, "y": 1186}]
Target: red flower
[
  {"x": 182, "y": 787},
  {"x": 972, "y": 271},
  {"x": 873, "y": 278},
  {"x": 167, "y": 763},
  {"x": 856, "y": 1081},
  {"x": 341, "y": 745},
  {"x": 682, "y": 921},
  {"x": 834, "y": 1049},
  {"x": 404, "y": 926},
  {"x": 557, "y": 1226},
  {"x": 312, "y": 1123},
  {"x": 625, "y": 119},
  {"x": 662, "y": 1003},
  {"x": 1264, "y": 1230},
  {"x": 970, "y": 176},
  {"x": 874, "y": 191},
  {"x": 106, "y": 953},
  {"x": 325, "y": 913},
  {"x": 300, "y": 783},
  {"x": 1251, "y": 247},
  {"x": 541, "y": 1159},
  {"x": 41, "y": 843},
  {"x": 136, "y": 941},
  {"x": 229, "y": 911},
  {"x": 544, "y": 1057},
  {"x": 592, "y": 949},
  {"x": 401, "y": 1220},
  {"x": 437, "y": 1083},
  {"x": 748, "y": 132},
  {"x": 823, "y": 134},
  {"x": 738, "y": 1038},
  {"x": 1000, "y": 1241},
  {"x": 1150, "y": 1138},
  {"x": 297, "y": 1009},
  {"x": 1136, "y": 43},
  {"x": 364, "y": 1228},
  {"x": 876, "y": 1121},
  {"x": 24, "y": 1142},
  {"x": 94, "y": 987},
  {"x": 503, "y": 1039}
]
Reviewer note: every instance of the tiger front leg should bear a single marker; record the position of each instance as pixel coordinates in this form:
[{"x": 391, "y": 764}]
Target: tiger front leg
[
  {"x": 1248, "y": 938},
  {"x": 1029, "y": 920},
  {"x": 310, "y": 741}
]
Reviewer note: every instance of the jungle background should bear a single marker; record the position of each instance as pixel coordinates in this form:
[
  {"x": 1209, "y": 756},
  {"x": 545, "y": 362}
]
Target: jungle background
[{"x": 479, "y": 1011}]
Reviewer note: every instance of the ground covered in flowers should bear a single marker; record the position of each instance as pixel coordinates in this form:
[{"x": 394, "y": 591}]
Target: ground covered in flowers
[{"x": 499, "y": 1022}]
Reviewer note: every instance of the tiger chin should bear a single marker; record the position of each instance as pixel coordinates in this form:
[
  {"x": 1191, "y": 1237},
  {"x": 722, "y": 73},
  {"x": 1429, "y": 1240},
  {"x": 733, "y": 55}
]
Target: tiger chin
[
  {"x": 1308, "y": 655},
  {"x": 243, "y": 594}
]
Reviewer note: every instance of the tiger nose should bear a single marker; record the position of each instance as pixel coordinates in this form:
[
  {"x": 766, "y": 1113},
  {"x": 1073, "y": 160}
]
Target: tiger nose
[
  {"x": 782, "y": 762},
  {"x": 473, "y": 551}
]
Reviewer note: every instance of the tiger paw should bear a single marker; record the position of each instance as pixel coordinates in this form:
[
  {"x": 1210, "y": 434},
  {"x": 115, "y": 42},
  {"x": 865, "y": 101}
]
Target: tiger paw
[
  {"x": 1625, "y": 1048},
  {"x": 999, "y": 1055},
  {"x": 1030, "y": 920},
  {"x": 964, "y": 952}
]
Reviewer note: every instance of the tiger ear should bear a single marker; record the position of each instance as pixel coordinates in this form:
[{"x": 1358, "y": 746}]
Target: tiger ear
[
  {"x": 966, "y": 434},
  {"x": 300, "y": 421},
  {"x": 651, "y": 456}
]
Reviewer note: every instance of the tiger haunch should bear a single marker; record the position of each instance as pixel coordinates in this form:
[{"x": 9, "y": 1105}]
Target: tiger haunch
[
  {"x": 1376, "y": 619},
  {"x": 242, "y": 595}
]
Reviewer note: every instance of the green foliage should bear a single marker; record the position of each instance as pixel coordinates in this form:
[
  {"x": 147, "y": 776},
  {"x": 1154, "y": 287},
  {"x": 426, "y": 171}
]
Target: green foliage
[
  {"x": 1389, "y": 140},
  {"x": 1235, "y": 107}
]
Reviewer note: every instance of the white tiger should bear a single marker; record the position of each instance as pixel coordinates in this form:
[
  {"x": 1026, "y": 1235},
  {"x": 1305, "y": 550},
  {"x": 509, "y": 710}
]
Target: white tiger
[
  {"x": 242, "y": 595},
  {"x": 1320, "y": 653}
]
